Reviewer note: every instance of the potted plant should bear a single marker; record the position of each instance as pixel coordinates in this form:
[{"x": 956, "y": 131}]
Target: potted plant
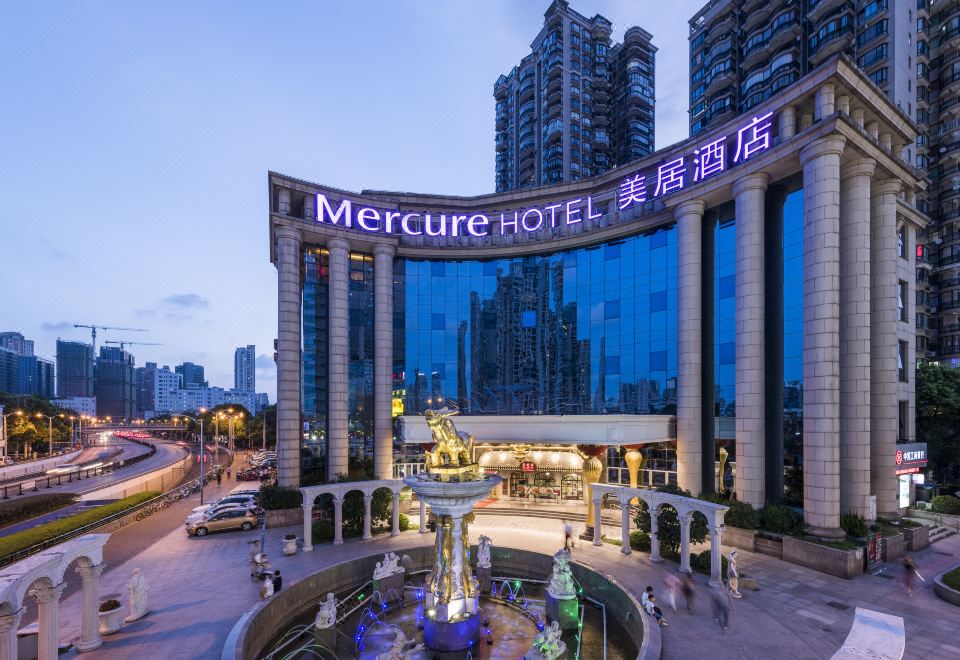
[
  {"x": 109, "y": 616},
  {"x": 290, "y": 544}
]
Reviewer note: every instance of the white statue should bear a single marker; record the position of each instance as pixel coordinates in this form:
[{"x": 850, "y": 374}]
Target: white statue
[
  {"x": 327, "y": 616},
  {"x": 139, "y": 590},
  {"x": 266, "y": 587},
  {"x": 483, "y": 551},
  {"x": 547, "y": 645},
  {"x": 389, "y": 566},
  {"x": 395, "y": 652},
  {"x": 562, "y": 586},
  {"x": 733, "y": 578}
]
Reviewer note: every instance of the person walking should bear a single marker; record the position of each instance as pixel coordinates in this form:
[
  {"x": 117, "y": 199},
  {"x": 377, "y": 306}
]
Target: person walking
[
  {"x": 218, "y": 478},
  {"x": 228, "y": 473},
  {"x": 277, "y": 581},
  {"x": 910, "y": 574},
  {"x": 567, "y": 536},
  {"x": 721, "y": 607},
  {"x": 688, "y": 588},
  {"x": 672, "y": 583}
]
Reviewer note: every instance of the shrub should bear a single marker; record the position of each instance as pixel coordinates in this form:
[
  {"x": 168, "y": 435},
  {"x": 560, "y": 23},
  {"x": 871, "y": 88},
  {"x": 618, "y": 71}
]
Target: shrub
[
  {"x": 701, "y": 563},
  {"x": 322, "y": 530},
  {"x": 668, "y": 523},
  {"x": 640, "y": 541},
  {"x": 280, "y": 497},
  {"x": 952, "y": 579},
  {"x": 781, "y": 519},
  {"x": 110, "y": 605},
  {"x": 404, "y": 522},
  {"x": 945, "y": 504},
  {"x": 51, "y": 530},
  {"x": 742, "y": 515},
  {"x": 25, "y": 508},
  {"x": 854, "y": 525}
]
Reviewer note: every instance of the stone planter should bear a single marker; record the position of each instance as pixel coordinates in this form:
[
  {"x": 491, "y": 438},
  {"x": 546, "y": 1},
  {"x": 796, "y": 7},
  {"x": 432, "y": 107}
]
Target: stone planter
[
  {"x": 768, "y": 545},
  {"x": 284, "y": 517},
  {"x": 833, "y": 561},
  {"x": 290, "y": 546},
  {"x": 892, "y": 547},
  {"x": 742, "y": 539},
  {"x": 110, "y": 621},
  {"x": 944, "y": 592},
  {"x": 916, "y": 538}
]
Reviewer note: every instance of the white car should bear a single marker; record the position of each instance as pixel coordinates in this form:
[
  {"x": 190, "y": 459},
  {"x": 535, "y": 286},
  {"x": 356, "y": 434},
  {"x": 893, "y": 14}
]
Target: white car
[
  {"x": 243, "y": 499},
  {"x": 217, "y": 508}
]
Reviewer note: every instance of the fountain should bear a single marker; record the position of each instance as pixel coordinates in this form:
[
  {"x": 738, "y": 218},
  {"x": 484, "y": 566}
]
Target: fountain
[{"x": 451, "y": 486}]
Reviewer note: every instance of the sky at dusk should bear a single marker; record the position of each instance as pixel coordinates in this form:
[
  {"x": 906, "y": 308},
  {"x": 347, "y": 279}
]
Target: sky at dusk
[{"x": 135, "y": 140}]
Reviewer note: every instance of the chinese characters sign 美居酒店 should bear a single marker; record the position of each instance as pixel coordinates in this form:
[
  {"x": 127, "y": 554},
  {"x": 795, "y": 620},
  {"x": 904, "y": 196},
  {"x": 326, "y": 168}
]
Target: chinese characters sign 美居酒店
[{"x": 709, "y": 159}]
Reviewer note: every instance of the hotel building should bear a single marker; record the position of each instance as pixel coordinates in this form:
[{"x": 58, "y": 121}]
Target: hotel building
[{"x": 740, "y": 295}]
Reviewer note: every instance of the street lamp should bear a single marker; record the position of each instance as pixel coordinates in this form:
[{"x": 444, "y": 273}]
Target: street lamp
[
  {"x": 231, "y": 417},
  {"x": 3, "y": 448},
  {"x": 50, "y": 419},
  {"x": 203, "y": 479}
]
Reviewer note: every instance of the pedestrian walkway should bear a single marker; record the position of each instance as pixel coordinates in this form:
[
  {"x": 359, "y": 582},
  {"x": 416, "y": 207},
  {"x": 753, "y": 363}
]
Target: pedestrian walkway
[{"x": 200, "y": 586}]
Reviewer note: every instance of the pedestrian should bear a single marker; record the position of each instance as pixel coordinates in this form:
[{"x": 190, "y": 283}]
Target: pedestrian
[
  {"x": 672, "y": 583},
  {"x": 277, "y": 581},
  {"x": 254, "y": 551},
  {"x": 688, "y": 587},
  {"x": 909, "y": 573},
  {"x": 228, "y": 472},
  {"x": 653, "y": 610},
  {"x": 721, "y": 607},
  {"x": 218, "y": 478},
  {"x": 567, "y": 535}
]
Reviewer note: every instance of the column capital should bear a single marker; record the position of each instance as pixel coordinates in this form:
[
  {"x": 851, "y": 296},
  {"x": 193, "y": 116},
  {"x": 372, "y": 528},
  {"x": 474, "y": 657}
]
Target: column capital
[
  {"x": 88, "y": 572},
  {"x": 48, "y": 594},
  {"x": 307, "y": 507},
  {"x": 885, "y": 187},
  {"x": 756, "y": 181},
  {"x": 367, "y": 497},
  {"x": 384, "y": 249},
  {"x": 689, "y": 207},
  {"x": 338, "y": 243},
  {"x": 830, "y": 144},
  {"x": 858, "y": 167},
  {"x": 284, "y": 231},
  {"x": 11, "y": 621}
]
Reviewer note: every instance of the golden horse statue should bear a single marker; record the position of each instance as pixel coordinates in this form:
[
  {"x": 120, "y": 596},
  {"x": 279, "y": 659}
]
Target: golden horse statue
[{"x": 451, "y": 447}]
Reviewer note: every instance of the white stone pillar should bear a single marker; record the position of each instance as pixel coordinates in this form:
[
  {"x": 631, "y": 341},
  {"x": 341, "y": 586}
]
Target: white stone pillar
[
  {"x": 689, "y": 217},
  {"x": 855, "y": 336},
  {"x": 806, "y": 120},
  {"x": 886, "y": 141},
  {"x": 787, "y": 122},
  {"x": 654, "y": 540},
  {"x": 716, "y": 554},
  {"x": 338, "y": 397},
  {"x": 750, "y": 360},
  {"x": 597, "y": 523},
  {"x": 48, "y": 605},
  {"x": 685, "y": 519},
  {"x": 383, "y": 360},
  {"x": 337, "y": 521},
  {"x": 883, "y": 345},
  {"x": 89, "y": 616},
  {"x": 289, "y": 429},
  {"x": 824, "y": 100},
  {"x": 307, "y": 527},
  {"x": 843, "y": 104},
  {"x": 873, "y": 128},
  {"x": 625, "y": 527},
  {"x": 821, "y": 336},
  {"x": 395, "y": 531},
  {"x": 859, "y": 116},
  {"x": 9, "y": 624},
  {"x": 423, "y": 516},
  {"x": 367, "y": 504}
]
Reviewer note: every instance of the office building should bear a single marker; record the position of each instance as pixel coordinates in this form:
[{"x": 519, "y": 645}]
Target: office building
[
  {"x": 675, "y": 303},
  {"x": 23, "y": 372},
  {"x": 82, "y": 405},
  {"x": 245, "y": 368},
  {"x": 17, "y": 343},
  {"x": 116, "y": 384},
  {"x": 191, "y": 375},
  {"x": 577, "y": 105},
  {"x": 75, "y": 369}
]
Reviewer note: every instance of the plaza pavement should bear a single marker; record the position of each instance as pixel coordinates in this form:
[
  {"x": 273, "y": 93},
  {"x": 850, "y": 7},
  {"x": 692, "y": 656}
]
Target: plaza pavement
[{"x": 199, "y": 587}]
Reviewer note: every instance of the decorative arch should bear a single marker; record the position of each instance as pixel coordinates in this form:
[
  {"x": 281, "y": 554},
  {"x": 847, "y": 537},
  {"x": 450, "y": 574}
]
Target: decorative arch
[{"x": 339, "y": 491}]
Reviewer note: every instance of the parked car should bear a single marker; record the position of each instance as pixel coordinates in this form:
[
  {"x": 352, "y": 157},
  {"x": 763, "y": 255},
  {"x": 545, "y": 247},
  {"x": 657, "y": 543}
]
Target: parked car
[
  {"x": 241, "y": 519},
  {"x": 193, "y": 517},
  {"x": 243, "y": 500}
]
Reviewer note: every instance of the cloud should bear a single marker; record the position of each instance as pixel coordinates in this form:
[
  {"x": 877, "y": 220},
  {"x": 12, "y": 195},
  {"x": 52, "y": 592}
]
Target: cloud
[
  {"x": 174, "y": 316},
  {"x": 57, "y": 327},
  {"x": 145, "y": 312},
  {"x": 187, "y": 300},
  {"x": 265, "y": 362}
]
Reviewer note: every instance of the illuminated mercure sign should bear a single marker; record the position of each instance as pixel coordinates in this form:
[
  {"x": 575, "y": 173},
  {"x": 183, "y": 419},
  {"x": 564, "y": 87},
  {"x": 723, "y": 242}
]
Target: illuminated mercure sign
[{"x": 638, "y": 188}]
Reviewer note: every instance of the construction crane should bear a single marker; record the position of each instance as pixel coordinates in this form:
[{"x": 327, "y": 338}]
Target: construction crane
[
  {"x": 93, "y": 332},
  {"x": 123, "y": 343}
]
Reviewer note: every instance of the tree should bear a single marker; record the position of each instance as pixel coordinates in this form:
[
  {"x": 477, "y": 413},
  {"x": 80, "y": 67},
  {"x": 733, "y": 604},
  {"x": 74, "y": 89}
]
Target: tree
[
  {"x": 938, "y": 418},
  {"x": 668, "y": 523}
]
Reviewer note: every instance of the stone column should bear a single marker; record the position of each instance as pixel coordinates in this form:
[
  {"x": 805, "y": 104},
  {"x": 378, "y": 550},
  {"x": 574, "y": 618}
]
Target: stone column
[
  {"x": 685, "y": 519},
  {"x": 883, "y": 345},
  {"x": 395, "y": 530},
  {"x": 383, "y": 361},
  {"x": 338, "y": 397},
  {"x": 821, "y": 336},
  {"x": 689, "y": 217},
  {"x": 858, "y": 115},
  {"x": 337, "y": 521},
  {"x": 824, "y": 101},
  {"x": 9, "y": 624},
  {"x": 48, "y": 604},
  {"x": 625, "y": 527},
  {"x": 307, "y": 527},
  {"x": 367, "y": 503},
  {"x": 423, "y": 516},
  {"x": 750, "y": 361},
  {"x": 716, "y": 554},
  {"x": 89, "y": 616},
  {"x": 788, "y": 122},
  {"x": 597, "y": 523},
  {"x": 855, "y": 336},
  {"x": 289, "y": 429},
  {"x": 654, "y": 541}
]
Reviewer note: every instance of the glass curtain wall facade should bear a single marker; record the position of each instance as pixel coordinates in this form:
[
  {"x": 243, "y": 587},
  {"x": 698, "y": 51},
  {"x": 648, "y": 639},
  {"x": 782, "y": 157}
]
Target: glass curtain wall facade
[{"x": 316, "y": 328}]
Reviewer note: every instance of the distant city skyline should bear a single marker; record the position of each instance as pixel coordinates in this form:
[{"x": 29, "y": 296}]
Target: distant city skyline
[{"x": 133, "y": 185}]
